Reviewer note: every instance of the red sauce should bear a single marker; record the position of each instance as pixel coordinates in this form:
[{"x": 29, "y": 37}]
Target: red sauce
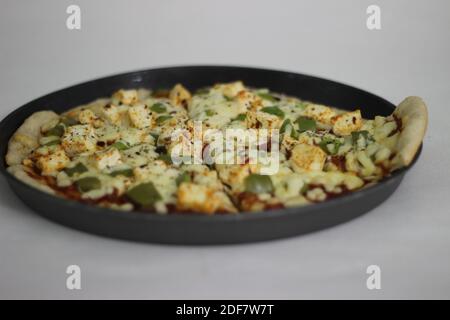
[
  {"x": 330, "y": 195},
  {"x": 71, "y": 192},
  {"x": 246, "y": 200},
  {"x": 399, "y": 124},
  {"x": 339, "y": 162}
]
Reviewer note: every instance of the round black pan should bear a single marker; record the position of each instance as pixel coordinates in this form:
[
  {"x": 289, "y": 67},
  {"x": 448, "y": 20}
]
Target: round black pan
[{"x": 201, "y": 229}]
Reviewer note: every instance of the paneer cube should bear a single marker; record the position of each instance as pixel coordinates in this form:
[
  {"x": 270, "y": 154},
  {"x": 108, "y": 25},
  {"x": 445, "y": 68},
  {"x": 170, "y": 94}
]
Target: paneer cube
[
  {"x": 319, "y": 113},
  {"x": 267, "y": 120},
  {"x": 134, "y": 136},
  {"x": 79, "y": 139},
  {"x": 346, "y": 123},
  {"x": 288, "y": 143},
  {"x": 235, "y": 174},
  {"x": 230, "y": 90},
  {"x": 199, "y": 198},
  {"x": 52, "y": 161},
  {"x": 140, "y": 116},
  {"x": 179, "y": 96},
  {"x": 111, "y": 113},
  {"x": 87, "y": 117},
  {"x": 107, "y": 159},
  {"x": 246, "y": 100},
  {"x": 126, "y": 96},
  {"x": 152, "y": 171},
  {"x": 307, "y": 157}
]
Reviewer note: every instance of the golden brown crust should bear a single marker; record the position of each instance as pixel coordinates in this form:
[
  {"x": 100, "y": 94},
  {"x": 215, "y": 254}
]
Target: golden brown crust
[
  {"x": 414, "y": 118},
  {"x": 26, "y": 138}
]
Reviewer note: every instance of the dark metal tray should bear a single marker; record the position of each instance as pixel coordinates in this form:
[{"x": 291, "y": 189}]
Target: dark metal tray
[{"x": 201, "y": 229}]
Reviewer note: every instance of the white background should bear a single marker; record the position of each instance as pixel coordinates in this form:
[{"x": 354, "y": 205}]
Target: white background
[{"x": 408, "y": 236}]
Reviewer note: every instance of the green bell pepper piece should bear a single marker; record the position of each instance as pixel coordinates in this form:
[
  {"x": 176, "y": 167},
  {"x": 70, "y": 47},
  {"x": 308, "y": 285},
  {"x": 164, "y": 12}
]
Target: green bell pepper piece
[
  {"x": 257, "y": 183},
  {"x": 88, "y": 184},
  {"x": 274, "y": 110},
  {"x": 144, "y": 194},
  {"x": 306, "y": 124},
  {"x": 78, "y": 168},
  {"x": 158, "y": 107}
]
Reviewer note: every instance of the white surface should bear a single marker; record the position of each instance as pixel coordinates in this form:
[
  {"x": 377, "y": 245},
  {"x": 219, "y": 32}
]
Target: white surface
[{"x": 408, "y": 236}]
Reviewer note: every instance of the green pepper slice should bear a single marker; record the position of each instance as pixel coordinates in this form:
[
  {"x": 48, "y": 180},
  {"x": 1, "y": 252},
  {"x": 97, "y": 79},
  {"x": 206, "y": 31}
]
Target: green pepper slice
[
  {"x": 324, "y": 145},
  {"x": 165, "y": 157},
  {"x": 78, "y": 168},
  {"x": 161, "y": 119},
  {"x": 119, "y": 145},
  {"x": 306, "y": 124},
  {"x": 267, "y": 96},
  {"x": 57, "y": 131},
  {"x": 68, "y": 121},
  {"x": 240, "y": 117},
  {"x": 184, "y": 177},
  {"x": 144, "y": 194},
  {"x": 154, "y": 135},
  {"x": 358, "y": 134},
  {"x": 52, "y": 143},
  {"x": 122, "y": 172},
  {"x": 284, "y": 126},
  {"x": 300, "y": 105},
  {"x": 257, "y": 183},
  {"x": 286, "y": 123},
  {"x": 295, "y": 134},
  {"x": 158, "y": 107},
  {"x": 210, "y": 113},
  {"x": 274, "y": 110},
  {"x": 88, "y": 184},
  {"x": 304, "y": 189}
]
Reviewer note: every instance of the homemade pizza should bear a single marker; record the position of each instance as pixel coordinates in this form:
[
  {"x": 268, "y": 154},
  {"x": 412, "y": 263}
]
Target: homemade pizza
[{"x": 119, "y": 152}]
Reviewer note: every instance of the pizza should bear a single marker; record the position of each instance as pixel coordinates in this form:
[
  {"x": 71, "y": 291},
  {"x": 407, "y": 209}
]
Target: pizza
[{"x": 119, "y": 152}]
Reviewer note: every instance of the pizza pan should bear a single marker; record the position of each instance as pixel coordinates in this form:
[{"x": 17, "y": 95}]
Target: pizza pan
[{"x": 197, "y": 228}]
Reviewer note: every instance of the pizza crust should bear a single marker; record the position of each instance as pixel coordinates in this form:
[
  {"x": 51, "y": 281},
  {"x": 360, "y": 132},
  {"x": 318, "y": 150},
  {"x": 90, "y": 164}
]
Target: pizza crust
[
  {"x": 414, "y": 117},
  {"x": 95, "y": 106},
  {"x": 26, "y": 138},
  {"x": 19, "y": 171}
]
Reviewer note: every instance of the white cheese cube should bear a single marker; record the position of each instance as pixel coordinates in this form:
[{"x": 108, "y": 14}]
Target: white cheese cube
[
  {"x": 231, "y": 89},
  {"x": 55, "y": 160},
  {"x": 306, "y": 157},
  {"x": 346, "y": 123},
  {"x": 107, "y": 159},
  {"x": 140, "y": 116},
  {"x": 179, "y": 96},
  {"x": 78, "y": 139},
  {"x": 202, "y": 199},
  {"x": 319, "y": 112},
  {"x": 126, "y": 96},
  {"x": 111, "y": 113},
  {"x": 87, "y": 117}
]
